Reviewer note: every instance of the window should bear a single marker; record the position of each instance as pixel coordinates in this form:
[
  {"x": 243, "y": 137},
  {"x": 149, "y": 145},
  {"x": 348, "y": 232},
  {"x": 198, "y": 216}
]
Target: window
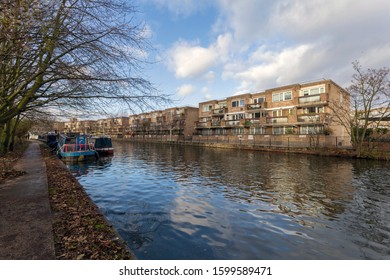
[
  {"x": 287, "y": 95},
  {"x": 238, "y": 117},
  {"x": 220, "y": 131},
  {"x": 276, "y": 97},
  {"x": 278, "y": 130},
  {"x": 313, "y": 110},
  {"x": 258, "y": 100},
  {"x": 282, "y": 96},
  {"x": 257, "y": 130},
  {"x": 221, "y": 105},
  {"x": 313, "y": 91},
  {"x": 310, "y": 129},
  {"x": 283, "y": 130},
  {"x": 238, "y": 103},
  {"x": 207, "y": 132},
  {"x": 207, "y": 108},
  {"x": 238, "y": 130},
  {"x": 277, "y": 113}
]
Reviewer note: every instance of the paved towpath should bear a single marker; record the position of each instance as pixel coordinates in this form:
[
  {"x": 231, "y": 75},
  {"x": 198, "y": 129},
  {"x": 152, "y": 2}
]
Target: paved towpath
[{"x": 25, "y": 216}]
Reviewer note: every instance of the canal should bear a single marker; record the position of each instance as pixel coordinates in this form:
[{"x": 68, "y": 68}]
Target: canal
[{"x": 188, "y": 202}]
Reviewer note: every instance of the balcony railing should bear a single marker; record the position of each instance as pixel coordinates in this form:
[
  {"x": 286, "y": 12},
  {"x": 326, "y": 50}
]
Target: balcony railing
[
  {"x": 308, "y": 118},
  {"x": 232, "y": 122},
  {"x": 202, "y": 124},
  {"x": 216, "y": 123},
  {"x": 219, "y": 111},
  {"x": 277, "y": 120},
  {"x": 256, "y": 106},
  {"x": 309, "y": 98}
]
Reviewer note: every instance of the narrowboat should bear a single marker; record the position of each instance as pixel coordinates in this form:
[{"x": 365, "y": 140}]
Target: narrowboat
[
  {"x": 103, "y": 145},
  {"x": 76, "y": 149}
]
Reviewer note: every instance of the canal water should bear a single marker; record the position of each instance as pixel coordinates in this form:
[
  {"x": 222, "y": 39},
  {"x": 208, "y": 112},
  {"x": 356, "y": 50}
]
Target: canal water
[{"x": 187, "y": 202}]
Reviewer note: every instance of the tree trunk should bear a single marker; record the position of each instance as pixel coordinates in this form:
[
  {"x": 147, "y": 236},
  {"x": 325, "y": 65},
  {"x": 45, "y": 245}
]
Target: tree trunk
[
  {"x": 6, "y": 137},
  {"x": 13, "y": 133}
]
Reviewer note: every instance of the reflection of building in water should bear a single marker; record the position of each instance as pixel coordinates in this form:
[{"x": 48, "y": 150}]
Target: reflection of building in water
[
  {"x": 368, "y": 220},
  {"x": 295, "y": 184}
]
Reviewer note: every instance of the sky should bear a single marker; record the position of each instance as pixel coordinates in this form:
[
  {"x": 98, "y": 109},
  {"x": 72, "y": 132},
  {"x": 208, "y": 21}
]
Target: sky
[{"x": 211, "y": 49}]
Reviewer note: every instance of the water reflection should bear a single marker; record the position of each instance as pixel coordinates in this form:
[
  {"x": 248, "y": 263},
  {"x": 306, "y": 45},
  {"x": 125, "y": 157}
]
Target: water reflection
[
  {"x": 182, "y": 202},
  {"x": 82, "y": 168}
]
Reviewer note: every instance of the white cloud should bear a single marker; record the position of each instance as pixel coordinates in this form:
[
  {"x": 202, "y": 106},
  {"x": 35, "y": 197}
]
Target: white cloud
[
  {"x": 267, "y": 68},
  {"x": 208, "y": 97},
  {"x": 210, "y": 76},
  {"x": 185, "y": 90},
  {"x": 244, "y": 19},
  {"x": 260, "y": 44},
  {"x": 288, "y": 41},
  {"x": 191, "y": 61}
]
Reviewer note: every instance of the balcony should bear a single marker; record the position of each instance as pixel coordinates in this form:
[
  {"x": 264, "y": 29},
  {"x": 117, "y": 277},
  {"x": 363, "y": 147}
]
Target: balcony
[
  {"x": 313, "y": 118},
  {"x": 232, "y": 122},
  {"x": 179, "y": 117},
  {"x": 310, "y": 99},
  {"x": 219, "y": 111},
  {"x": 256, "y": 106},
  {"x": 202, "y": 124},
  {"x": 271, "y": 120},
  {"x": 309, "y": 118},
  {"x": 216, "y": 123}
]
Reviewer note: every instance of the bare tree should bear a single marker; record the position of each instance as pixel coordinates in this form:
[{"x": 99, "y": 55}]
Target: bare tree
[
  {"x": 72, "y": 54},
  {"x": 369, "y": 94}
]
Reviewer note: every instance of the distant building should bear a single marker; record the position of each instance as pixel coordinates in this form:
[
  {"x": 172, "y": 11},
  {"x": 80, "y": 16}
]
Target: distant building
[
  {"x": 77, "y": 126},
  {"x": 293, "y": 109},
  {"x": 171, "y": 124}
]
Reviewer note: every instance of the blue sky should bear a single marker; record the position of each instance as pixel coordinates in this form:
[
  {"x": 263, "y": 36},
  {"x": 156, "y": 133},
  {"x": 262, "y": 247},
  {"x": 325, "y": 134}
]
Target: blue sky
[{"x": 207, "y": 50}]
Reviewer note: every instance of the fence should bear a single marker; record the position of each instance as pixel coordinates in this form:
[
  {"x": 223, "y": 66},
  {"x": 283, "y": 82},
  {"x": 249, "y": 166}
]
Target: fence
[{"x": 260, "y": 141}]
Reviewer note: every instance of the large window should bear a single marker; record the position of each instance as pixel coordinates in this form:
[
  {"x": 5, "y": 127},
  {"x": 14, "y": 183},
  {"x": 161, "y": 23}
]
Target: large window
[
  {"x": 313, "y": 110},
  {"x": 258, "y": 100},
  {"x": 237, "y": 117},
  {"x": 278, "y": 130},
  {"x": 257, "y": 130},
  {"x": 238, "y": 103},
  {"x": 207, "y": 108},
  {"x": 238, "y": 130},
  {"x": 313, "y": 90},
  {"x": 311, "y": 129},
  {"x": 282, "y": 130},
  {"x": 282, "y": 96},
  {"x": 220, "y": 131}
]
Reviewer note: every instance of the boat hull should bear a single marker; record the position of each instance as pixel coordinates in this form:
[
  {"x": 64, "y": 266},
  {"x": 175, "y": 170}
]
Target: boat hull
[
  {"x": 78, "y": 156},
  {"x": 105, "y": 151}
]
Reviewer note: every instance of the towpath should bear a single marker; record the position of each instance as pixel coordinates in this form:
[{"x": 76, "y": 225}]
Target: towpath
[{"x": 25, "y": 216}]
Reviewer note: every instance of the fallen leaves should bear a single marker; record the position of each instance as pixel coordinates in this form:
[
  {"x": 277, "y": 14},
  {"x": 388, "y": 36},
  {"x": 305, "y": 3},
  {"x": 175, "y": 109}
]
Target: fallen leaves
[
  {"x": 80, "y": 231},
  {"x": 7, "y": 163}
]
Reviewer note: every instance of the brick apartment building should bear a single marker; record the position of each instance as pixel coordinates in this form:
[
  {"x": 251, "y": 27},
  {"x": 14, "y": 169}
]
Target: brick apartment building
[
  {"x": 172, "y": 124},
  {"x": 293, "y": 109}
]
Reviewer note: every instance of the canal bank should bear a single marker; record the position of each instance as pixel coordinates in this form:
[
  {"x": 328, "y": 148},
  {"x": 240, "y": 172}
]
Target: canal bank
[
  {"x": 380, "y": 153},
  {"x": 79, "y": 228},
  {"x": 335, "y": 152},
  {"x": 45, "y": 214}
]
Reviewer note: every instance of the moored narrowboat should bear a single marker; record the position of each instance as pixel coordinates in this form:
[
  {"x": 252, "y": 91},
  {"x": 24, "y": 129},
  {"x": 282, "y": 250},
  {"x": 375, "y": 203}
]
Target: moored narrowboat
[
  {"x": 103, "y": 145},
  {"x": 76, "y": 149}
]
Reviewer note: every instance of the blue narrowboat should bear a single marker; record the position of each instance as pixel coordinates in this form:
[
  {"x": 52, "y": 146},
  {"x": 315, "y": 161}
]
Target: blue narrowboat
[{"x": 76, "y": 149}]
